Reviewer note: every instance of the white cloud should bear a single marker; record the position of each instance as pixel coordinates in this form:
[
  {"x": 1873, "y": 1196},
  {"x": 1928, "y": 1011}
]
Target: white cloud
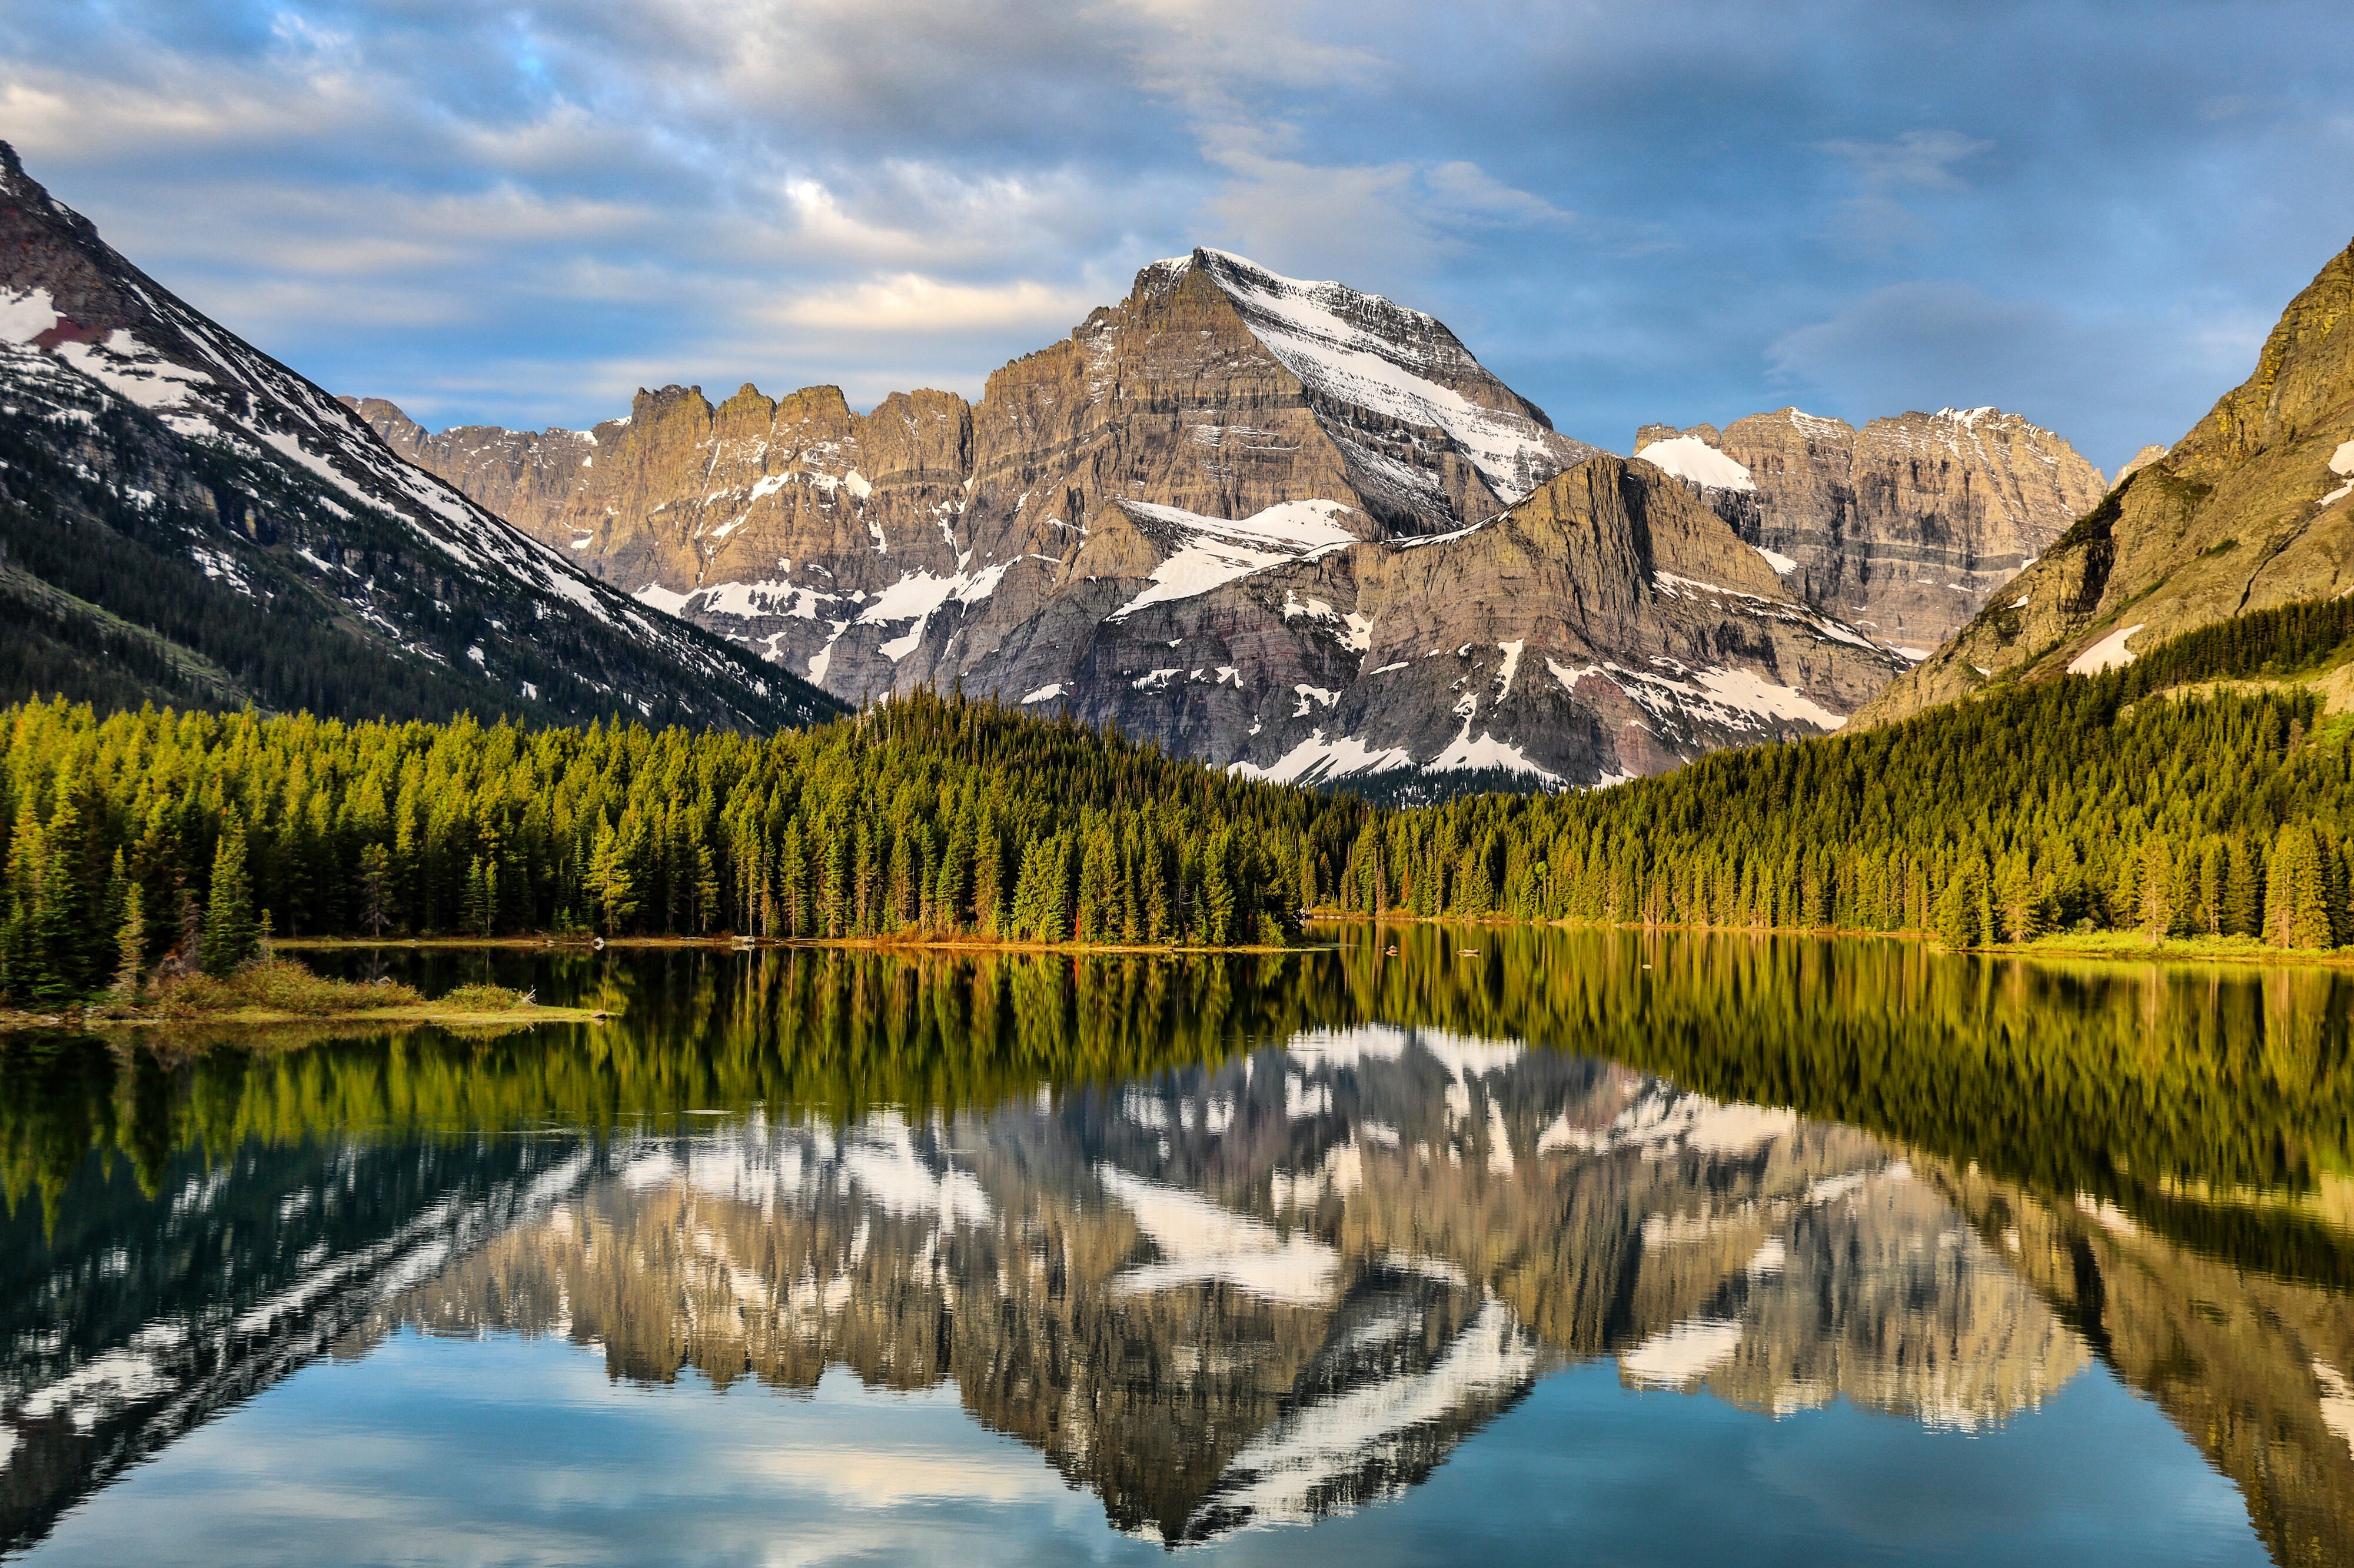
[
  {"x": 911, "y": 302},
  {"x": 1877, "y": 219}
]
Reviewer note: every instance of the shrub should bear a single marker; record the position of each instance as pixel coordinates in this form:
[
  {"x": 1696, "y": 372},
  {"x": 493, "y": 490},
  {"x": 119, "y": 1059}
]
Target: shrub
[
  {"x": 483, "y": 999},
  {"x": 278, "y": 985}
]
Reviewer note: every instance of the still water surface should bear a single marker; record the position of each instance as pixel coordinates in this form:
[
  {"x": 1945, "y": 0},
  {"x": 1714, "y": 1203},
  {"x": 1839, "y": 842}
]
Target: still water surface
[{"x": 1515, "y": 1246}]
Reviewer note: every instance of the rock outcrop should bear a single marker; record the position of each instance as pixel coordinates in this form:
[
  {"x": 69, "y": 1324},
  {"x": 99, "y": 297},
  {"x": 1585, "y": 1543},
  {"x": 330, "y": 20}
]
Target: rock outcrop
[
  {"x": 2140, "y": 461},
  {"x": 1903, "y": 528},
  {"x": 183, "y": 519},
  {"x": 1282, "y": 525},
  {"x": 2253, "y": 508}
]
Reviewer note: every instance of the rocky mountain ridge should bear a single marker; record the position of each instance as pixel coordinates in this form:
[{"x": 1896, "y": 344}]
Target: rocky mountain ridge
[
  {"x": 1903, "y": 528},
  {"x": 1280, "y": 525},
  {"x": 185, "y": 519},
  {"x": 2253, "y": 508}
]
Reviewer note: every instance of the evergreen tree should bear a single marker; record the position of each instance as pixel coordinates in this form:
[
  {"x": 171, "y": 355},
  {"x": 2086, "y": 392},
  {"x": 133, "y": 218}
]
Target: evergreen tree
[
  {"x": 611, "y": 883},
  {"x": 229, "y": 932},
  {"x": 375, "y": 887},
  {"x": 2244, "y": 891},
  {"x": 1960, "y": 912},
  {"x": 131, "y": 944}
]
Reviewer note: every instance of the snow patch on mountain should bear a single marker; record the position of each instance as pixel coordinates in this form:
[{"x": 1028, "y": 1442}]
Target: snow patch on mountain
[
  {"x": 1316, "y": 760},
  {"x": 1690, "y": 457},
  {"x": 1370, "y": 353},
  {"x": 2109, "y": 652},
  {"x": 26, "y": 315},
  {"x": 1207, "y": 553},
  {"x": 1466, "y": 755}
]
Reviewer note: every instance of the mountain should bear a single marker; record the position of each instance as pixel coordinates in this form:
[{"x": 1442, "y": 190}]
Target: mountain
[
  {"x": 1903, "y": 528},
  {"x": 2249, "y": 511},
  {"x": 185, "y": 519},
  {"x": 1283, "y": 525}
]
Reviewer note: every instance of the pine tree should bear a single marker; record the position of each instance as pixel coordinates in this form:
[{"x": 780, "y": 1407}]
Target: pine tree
[
  {"x": 2299, "y": 893},
  {"x": 610, "y": 884},
  {"x": 2244, "y": 891},
  {"x": 131, "y": 944},
  {"x": 229, "y": 934},
  {"x": 480, "y": 908},
  {"x": 2022, "y": 910},
  {"x": 376, "y": 887},
  {"x": 707, "y": 888},
  {"x": 29, "y": 968},
  {"x": 1960, "y": 918}
]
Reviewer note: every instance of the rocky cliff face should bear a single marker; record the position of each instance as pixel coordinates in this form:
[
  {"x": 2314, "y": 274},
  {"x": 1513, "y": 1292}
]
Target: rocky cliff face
[
  {"x": 2253, "y": 508},
  {"x": 1284, "y": 525},
  {"x": 1903, "y": 528},
  {"x": 524, "y": 476},
  {"x": 186, "y": 519}
]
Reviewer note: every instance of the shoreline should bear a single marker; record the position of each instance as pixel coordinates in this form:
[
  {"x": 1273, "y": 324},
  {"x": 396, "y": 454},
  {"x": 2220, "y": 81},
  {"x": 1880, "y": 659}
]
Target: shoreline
[
  {"x": 751, "y": 944},
  {"x": 2106, "y": 945},
  {"x": 422, "y": 1012},
  {"x": 2124, "y": 947}
]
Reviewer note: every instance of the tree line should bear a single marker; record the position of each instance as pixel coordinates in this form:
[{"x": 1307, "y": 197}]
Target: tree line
[
  {"x": 179, "y": 842},
  {"x": 169, "y": 840},
  {"x": 2087, "y": 803}
]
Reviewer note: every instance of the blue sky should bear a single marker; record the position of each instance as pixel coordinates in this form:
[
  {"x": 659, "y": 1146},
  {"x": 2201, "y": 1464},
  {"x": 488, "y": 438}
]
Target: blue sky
[{"x": 2087, "y": 212}]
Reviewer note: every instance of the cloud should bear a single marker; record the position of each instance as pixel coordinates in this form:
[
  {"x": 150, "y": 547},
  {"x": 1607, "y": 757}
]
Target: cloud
[
  {"x": 1377, "y": 225},
  {"x": 1683, "y": 209},
  {"x": 911, "y": 302},
  {"x": 1877, "y": 218},
  {"x": 1920, "y": 160}
]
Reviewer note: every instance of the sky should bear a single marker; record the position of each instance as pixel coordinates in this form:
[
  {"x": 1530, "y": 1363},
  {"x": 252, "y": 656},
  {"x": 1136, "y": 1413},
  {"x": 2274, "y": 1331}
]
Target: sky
[{"x": 2088, "y": 212}]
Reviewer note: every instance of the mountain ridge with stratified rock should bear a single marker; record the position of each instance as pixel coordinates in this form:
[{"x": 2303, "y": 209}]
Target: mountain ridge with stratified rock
[{"x": 1287, "y": 527}]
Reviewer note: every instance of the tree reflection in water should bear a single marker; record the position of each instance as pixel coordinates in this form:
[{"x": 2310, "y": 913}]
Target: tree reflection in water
[{"x": 1236, "y": 1241}]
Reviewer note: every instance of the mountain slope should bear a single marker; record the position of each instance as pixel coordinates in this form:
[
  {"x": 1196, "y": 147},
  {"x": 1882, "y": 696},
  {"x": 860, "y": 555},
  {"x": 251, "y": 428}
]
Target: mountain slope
[
  {"x": 185, "y": 519},
  {"x": 1905, "y": 527},
  {"x": 1233, "y": 512},
  {"x": 2252, "y": 509}
]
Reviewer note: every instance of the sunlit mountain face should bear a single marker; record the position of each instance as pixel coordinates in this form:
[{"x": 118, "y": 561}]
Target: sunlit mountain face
[{"x": 1232, "y": 1246}]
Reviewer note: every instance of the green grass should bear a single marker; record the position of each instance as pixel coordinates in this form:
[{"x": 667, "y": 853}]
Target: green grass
[
  {"x": 2138, "y": 945},
  {"x": 277, "y": 985}
]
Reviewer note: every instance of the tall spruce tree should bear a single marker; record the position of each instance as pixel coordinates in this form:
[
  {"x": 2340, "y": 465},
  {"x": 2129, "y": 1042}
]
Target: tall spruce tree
[{"x": 230, "y": 934}]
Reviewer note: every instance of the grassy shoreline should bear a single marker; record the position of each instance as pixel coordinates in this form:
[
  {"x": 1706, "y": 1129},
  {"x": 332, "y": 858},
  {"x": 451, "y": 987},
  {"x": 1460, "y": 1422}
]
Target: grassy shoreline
[
  {"x": 271, "y": 989},
  {"x": 2122, "y": 945},
  {"x": 422, "y": 1012},
  {"x": 725, "y": 944}
]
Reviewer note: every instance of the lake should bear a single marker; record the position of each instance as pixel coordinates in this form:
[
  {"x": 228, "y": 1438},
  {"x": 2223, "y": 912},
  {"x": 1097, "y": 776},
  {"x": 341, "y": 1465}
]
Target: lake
[{"x": 1440, "y": 1243}]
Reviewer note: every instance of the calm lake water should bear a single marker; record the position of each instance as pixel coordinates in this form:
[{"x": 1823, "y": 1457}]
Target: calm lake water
[{"x": 1512, "y": 1245}]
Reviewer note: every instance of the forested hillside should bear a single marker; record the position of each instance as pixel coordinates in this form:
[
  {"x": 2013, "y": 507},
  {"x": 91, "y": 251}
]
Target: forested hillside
[
  {"x": 2077, "y": 801},
  {"x": 156, "y": 838},
  {"x": 2201, "y": 789}
]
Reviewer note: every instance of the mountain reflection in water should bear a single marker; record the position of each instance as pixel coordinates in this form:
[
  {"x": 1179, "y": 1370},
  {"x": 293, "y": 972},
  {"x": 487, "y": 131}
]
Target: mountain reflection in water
[{"x": 1235, "y": 1243}]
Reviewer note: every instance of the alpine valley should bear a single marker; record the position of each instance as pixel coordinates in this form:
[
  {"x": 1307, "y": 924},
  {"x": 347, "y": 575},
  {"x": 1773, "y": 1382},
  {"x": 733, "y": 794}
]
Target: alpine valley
[{"x": 1296, "y": 530}]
